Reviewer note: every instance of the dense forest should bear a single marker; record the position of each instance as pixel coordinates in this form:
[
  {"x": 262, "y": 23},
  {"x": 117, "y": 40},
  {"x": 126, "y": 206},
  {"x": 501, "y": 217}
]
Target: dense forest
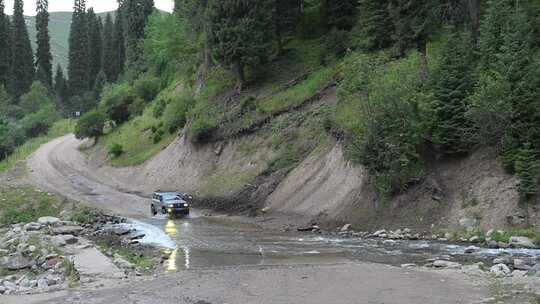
[{"x": 439, "y": 77}]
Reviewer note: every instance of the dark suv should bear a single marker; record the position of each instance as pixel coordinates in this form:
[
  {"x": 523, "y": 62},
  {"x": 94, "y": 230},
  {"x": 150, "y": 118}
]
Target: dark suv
[{"x": 171, "y": 203}]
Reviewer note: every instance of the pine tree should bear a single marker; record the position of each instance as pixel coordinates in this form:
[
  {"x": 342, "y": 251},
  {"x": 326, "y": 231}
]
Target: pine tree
[
  {"x": 136, "y": 17},
  {"x": 109, "y": 53},
  {"x": 22, "y": 69},
  {"x": 241, "y": 33},
  {"x": 374, "y": 26},
  {"x": 340, "y": 14},
  {"x": 286, "y": 18},
  {"x": 43, "y": 55},
  {"x": 61, "y": 90},
  {"x": 95, "y": 47},
  {"x": 78, "y": 50},
  {"x": 453, "y": 82},
  {"x": 492, "y": 26},
  {"x": 528, "y": 171},
  {"x": 119, "y": 42},
  {"x": 5, "y": 54}
]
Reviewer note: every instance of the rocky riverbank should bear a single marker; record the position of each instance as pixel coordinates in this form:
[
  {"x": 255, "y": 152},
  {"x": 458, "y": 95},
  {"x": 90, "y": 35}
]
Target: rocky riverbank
[{"x": 53, "y": 254}]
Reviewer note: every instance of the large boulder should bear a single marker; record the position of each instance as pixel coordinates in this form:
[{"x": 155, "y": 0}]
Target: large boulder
[
  {"x": 521, "y": 242},
  {"x": 446, "y": 264},
  {"x": 32, "y": 227},
  {"x": 48, "y": 220},
  {"x": 73, "y": 230},
  {"x": 500, "y": 270},
  {"x": 16, "y": 262},
  {"x": 521, "y": 264}
]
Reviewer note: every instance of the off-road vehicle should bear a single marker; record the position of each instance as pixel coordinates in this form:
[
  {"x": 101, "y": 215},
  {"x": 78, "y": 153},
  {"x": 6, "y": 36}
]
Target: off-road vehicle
[{"x": 170, "y": 203}]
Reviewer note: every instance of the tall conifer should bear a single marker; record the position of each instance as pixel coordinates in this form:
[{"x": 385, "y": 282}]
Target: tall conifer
[
  {"x": 109, "y": 52},
  {"x": 43, "y": 55},
  {"x": 119, "y": 41},
  {"x": 78, "y": 50},
  {"x": 136, "y": 18},
  {"x": 22, "y": 68},
  {"x": 95, "y": 47},
  {"x": 5, "y": 45}
]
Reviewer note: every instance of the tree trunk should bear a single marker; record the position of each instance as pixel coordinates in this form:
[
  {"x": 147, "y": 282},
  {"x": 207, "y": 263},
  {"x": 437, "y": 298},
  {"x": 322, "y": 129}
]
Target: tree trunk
[
  {"x": 238, "y": 69},
  {"x": 422, "y": 50},
  {"x": 474, "y": 15}
]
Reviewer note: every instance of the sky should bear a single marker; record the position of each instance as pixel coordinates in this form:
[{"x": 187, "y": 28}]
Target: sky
[{"x": 67, "y": 5}]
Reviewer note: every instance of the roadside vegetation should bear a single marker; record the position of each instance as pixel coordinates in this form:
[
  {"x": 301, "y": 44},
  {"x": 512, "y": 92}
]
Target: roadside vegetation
[{"x": 26, "y": 204}]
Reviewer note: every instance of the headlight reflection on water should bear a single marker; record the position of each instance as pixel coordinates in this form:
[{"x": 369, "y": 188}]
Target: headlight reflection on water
[{"x": 171, "y": 265}]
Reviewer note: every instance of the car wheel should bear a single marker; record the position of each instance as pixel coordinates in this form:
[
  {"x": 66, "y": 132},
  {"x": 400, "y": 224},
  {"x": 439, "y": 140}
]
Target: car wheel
[{"x": 153, "y": 210}]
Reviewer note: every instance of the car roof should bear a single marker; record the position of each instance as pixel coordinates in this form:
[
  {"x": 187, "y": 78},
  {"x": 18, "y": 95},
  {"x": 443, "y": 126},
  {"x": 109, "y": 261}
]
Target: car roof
[{"x": 167, "y": 193}]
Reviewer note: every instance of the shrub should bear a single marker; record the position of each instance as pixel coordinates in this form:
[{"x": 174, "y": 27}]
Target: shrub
[
  {"x": 38, "y": 123},
  {"x": 174, "y": 116},
  {"x": 90, "y": 125},
  {"x": 116, "y": 150},
  {"x": 116, "y": 101},
  {"x": 85, "y": 216},
  {"x": 159, "y": 107},
  {"x": 34, "y": 100},
  {"x": 337, "y": 42},
  {"x": 248, "y": 104},
  {"x": 146, "y": 87},
  {"x": 202, "y": 130}
]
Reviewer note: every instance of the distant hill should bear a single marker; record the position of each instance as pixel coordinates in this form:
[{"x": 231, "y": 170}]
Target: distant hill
[{"x": 59, "y": 24}]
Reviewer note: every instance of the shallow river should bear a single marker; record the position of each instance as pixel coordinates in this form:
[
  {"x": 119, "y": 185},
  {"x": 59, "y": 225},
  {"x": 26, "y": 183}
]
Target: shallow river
[{"x": 198, "y": 242}]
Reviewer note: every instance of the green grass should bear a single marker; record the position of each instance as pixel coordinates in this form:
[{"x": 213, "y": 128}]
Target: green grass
[
  {"x": 531, "y": 233},
  {"x": 26, "y": 204},
  {"x": 60, "y": 128},
  {"x": 136, "y": 139}
]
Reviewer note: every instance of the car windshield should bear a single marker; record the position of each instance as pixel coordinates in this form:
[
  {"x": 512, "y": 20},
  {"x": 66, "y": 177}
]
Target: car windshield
[{"x": 171, "y": 197}]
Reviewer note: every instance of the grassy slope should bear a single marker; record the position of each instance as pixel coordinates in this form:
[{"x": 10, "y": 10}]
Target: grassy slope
[{"x": 60, "y": 128}]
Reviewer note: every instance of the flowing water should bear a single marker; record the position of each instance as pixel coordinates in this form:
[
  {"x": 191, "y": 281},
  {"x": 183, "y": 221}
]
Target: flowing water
[{"x": 199, "y": 242}]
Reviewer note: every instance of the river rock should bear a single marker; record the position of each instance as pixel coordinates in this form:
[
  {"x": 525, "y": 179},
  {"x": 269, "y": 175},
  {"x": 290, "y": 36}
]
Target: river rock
[
  {"x": 122, "y": 263},
  {"x": 503, "y": 245},
  {"x": 58, "y": 241},
  {"x": 9, "y": 285},
  {"x": 345, "y": 227},
  {"x": 519, "y": 273},
  {"x": 502, "y": 260},
  {"x": 2, "y": 289},
  {"x": 408, "y": 266},
  {"x": 521, "y": 265},
  {"x": 16, "y": 262},
  {"x": 73, "y": 230},
  {"x": 469, "y": 223},
  {"x": 48, "y": 220},
  {"x": 70, "y": 239},
  {"x": 492, "y": 245},
  {"x": 42, "y": 284},
  {"x": 500, "y": 270},
  {"x": 32, "y": 227},
  {"x": 380, "y": 233},
  {"x": 474, "y": 239},
  {"x": 471, "y": 249},
  {"x": 534, "y": 271},
  {"x": 521, "y": 242},
  {"x": 446, "y": 264}
]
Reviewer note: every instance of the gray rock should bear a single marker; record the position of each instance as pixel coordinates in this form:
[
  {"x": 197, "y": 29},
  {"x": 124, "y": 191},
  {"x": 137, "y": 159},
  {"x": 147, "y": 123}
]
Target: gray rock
[
  {"x": 469, "y": 223},
  {"x": 345, "y": 227},
  {"x": 16, "y": 262},
  {"x": 519, "y": 273},
  {"x": 389, "y": 242},
  {"x": 48, "y": 220},
  {"x": 500, "y": 270},
  {"x": 42, "y": 284},
  {"x": 446, "y": 264},
  {"x": 474, "y": 239},
  {"x": 122, "y": 263},
  {"x": 2, "y": 289},
  {"x": 70, "y": 239},
  {"x": 58, "y": 241},
  {"x": 502, "y": 260},
  {"x": 32, "y": 227},
  {"x": 493, "y": 245},
  {"x": 490, "y": 233},
  {"x": 521, "y": 242},
  {"x": 53, "y": 280},
  {"x": 380, "y": 233},
  {"x": 73, "y": 230},
  {"x": 32, "y": 248},
  {"x": 520, "y": 264},
  {"x": 408, "y": 266},
  {"x": 120, "y": 230},
  {"x": 136, "y": 236},
  {"x": 534, "y": 271},
  {"x": 471, "y": 249},
  {"x": 9, "y": 285}
]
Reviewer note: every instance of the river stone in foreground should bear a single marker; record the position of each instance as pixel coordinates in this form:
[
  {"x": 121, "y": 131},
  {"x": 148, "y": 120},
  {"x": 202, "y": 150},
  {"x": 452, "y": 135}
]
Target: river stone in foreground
[
  {"x": 521, "y": 241},
  {"x": 48, "y": 220}
]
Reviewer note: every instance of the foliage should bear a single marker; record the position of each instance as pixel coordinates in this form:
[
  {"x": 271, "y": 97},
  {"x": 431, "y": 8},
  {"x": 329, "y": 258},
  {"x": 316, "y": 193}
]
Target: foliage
[
  {"x": 374, "y": 29},
  {"x": 201, "y": 130},
  {"x": 38, "y": 96},
  {"x": 5, "y": 49},
  {"x": 340, "y": 14},
  {"x": 90, "y": 125},
  {"x": 22, "y": 61},
  {"x": 146, "y": 87},
  {"x": 115, "y": 150},
  {"x": 25, "y": 204},
  {"x": 43, "y": 54},
  {"x": 386, "y": 133},
  {"x": 95, "y": 50},
  {"x": 85, "y": 215},
  {"x": 168, "y": 47},
  {"x": 452, "y": 84},
  {"x": 78, "y": 50},
  {"x": 39, "y": 123},
  {"x": 241, "y": 33},
  {"x": 337, "y": 42},
  {"x": 116, "y": 101},
  {"x": 175, "y": 114}
]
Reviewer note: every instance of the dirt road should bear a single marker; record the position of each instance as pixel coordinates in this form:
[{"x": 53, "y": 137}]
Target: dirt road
[{"x": 58, "y": 166}]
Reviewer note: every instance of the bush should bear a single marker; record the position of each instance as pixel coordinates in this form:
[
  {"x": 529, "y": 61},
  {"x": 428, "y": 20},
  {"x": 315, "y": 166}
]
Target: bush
[
  {"x": 146, "y": 87},
  {"x": 38, "y": 123},
  {"x": 34, "y": 100},
  {"x": 174, "y": 116},
  {"x": 116, "y": 150},
  {"x": 116, "y": 101},
  {"x": 159, "y": 108},
  {"x": 248, "y": 104},
  {"x": 202, "y": 130},
  {"x": 337, "y": 42},
  {"x": 90, "y": 125}
]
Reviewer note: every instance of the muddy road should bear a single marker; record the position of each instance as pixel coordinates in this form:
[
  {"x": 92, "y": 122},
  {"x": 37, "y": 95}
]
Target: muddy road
[{"x": 222, "y": 260}]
